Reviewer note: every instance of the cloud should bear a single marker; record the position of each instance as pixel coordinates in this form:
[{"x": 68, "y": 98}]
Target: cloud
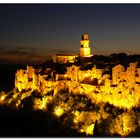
[
  {"x": 59, "y": 50},
  {"x": 14, "y": 52},
  {"x": 25, "y": 55}
]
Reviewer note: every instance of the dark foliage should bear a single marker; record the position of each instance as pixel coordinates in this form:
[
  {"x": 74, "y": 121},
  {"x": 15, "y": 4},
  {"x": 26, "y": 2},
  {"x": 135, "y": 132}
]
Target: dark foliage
[{"x": 29, "y": 123}]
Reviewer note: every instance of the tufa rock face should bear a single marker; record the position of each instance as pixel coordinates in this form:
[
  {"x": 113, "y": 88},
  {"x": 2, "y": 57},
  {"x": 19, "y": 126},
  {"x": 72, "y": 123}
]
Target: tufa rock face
[
  {"x": 29, "y": 80},
  {"x": 122, "y": 90}
]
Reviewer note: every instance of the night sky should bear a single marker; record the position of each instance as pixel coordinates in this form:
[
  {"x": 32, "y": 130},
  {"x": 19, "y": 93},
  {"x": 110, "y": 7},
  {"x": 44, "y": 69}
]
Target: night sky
[{"x": 30, "y": 33}]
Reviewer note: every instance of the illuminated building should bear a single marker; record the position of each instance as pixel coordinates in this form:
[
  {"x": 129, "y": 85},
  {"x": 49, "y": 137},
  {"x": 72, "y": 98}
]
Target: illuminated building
[
  {"x": 64, "y": 58},
  {"x": 85, "y": 48},
  {"x": 71, "y": 58},
  {"x": 131, "y": 75},
  {"x": 117, "y": 73}
]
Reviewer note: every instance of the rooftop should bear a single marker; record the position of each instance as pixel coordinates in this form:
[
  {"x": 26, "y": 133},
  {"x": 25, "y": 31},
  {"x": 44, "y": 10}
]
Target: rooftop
[{"x": 66, "y": 54}]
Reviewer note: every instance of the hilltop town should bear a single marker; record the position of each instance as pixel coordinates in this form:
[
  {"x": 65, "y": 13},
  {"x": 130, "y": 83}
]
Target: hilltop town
[
  {"x": 118, "y": 86},
  {"x": 121, "y": 90}
]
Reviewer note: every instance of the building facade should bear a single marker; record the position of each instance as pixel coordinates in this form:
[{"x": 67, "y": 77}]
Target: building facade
[
  {"x": 64, "y": 58},
  {"x": 85, "y": 48},
  {"x": 71, "y": 58}
]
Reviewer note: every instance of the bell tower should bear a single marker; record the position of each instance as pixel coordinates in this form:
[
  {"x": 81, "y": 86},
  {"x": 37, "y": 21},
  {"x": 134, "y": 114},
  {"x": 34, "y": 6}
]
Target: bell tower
[{"x": 85, "y": 49}]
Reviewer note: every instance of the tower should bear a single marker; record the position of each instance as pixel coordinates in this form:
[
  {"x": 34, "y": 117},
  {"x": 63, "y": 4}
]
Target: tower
[{"x": 85, "y": 49}]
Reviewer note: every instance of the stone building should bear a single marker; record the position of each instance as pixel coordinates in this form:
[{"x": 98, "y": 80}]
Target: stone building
[
  {"x": 131, "y": 75},
  {"x": 64, "y": 58},
  {"x": 117, "y": 73},
  {"x": 29, "y": 79},
  {"x": 131, "y": 71},
  {"x": 75, "y": 74},
  {"x": 85, "y": 48},
  {"x": 71, "y": 58}
]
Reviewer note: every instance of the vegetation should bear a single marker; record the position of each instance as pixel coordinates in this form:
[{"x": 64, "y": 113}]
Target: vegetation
[{"x": 74, "y": 114}]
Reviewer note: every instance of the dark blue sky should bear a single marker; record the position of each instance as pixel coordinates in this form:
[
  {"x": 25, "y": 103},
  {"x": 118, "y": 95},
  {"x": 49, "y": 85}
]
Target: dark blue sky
[{"x": 33, "y": 32}]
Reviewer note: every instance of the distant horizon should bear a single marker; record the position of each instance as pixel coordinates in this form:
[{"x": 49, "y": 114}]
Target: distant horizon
[{"x": 50, "y": 58}]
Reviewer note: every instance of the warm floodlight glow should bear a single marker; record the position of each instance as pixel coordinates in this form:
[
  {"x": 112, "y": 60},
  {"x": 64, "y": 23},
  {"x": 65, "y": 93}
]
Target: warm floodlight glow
[
  {"x": 16, "y": 104},
  {"x": 81, "y": 130},
  {"x": 86, "y": 75},
  {"x": 2, "y": 98},
  {"x": 85, "y": 48},
  {"x": 99, "y": 81},
  {"x": 58, "y": 111},
  {"x": 89, "y": 130}
]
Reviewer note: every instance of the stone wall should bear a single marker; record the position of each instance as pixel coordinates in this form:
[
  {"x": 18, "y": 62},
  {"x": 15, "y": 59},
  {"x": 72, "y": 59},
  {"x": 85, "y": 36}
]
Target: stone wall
[
  {"x": 131, "y": 75},
  {"x": 125, "y": 86}
]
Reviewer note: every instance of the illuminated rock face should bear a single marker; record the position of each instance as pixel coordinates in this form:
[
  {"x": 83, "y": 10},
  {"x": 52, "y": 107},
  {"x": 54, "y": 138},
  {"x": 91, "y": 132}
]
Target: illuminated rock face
[
  {"x": 75, "y": 74},
  {"x": 26, "y": 79},
  {"x": 29, "y": 80},
  {"x": 121, "y": 91},
  {"x": 117, "y": 73},
  {"x": 130, "y": 76}
]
